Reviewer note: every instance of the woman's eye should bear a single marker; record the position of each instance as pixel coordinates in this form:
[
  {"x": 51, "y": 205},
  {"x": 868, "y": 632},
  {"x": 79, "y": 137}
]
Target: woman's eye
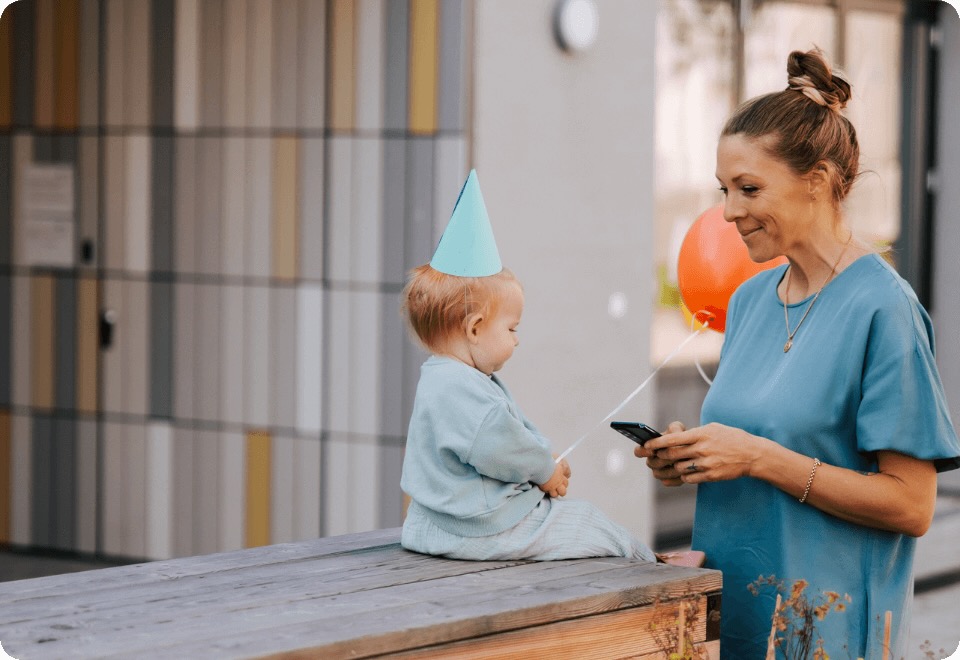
[
  {"x": 723, "y": 190},
  {"x": 750, "y": 190}
]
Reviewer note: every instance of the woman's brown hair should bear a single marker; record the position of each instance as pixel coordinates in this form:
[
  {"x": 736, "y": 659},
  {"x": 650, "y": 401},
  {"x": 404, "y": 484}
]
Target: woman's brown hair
[
  {"x": 436, "y": 304},
  {"x": 803, "y": 123}
]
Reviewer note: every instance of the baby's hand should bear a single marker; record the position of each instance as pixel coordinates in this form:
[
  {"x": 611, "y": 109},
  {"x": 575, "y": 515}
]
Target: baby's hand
[{"x": 557, "y": 485}]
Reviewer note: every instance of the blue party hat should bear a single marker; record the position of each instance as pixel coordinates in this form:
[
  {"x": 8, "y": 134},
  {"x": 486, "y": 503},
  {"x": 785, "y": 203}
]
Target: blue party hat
[{"x": 467, "y": 247}]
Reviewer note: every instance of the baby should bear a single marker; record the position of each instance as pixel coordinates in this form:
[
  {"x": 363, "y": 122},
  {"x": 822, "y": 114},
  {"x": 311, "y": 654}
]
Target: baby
[{"x": 482, "y": 480}]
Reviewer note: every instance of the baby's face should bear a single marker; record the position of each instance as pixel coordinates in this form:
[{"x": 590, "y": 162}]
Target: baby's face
[{"x": 497, "y": 335}]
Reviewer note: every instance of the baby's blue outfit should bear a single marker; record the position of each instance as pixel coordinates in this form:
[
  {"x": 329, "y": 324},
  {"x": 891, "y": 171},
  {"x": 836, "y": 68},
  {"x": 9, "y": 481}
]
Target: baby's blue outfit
[
  {"x": 471, "y": 469},
  {"x": 860, "y": 378}
]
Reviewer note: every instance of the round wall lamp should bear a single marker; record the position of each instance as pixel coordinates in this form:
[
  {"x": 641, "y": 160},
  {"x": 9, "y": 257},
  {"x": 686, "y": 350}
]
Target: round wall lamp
[{"x": 575, "y": 24}]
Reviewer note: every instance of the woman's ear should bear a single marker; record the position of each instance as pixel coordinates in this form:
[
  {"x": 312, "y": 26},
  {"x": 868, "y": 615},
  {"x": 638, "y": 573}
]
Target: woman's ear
[
  {"x": 472, "y": 327},
  {"x": 819, "y": 180}
]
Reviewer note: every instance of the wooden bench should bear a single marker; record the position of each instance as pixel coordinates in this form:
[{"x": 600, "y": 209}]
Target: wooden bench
[{"x": 362, "y": 596}]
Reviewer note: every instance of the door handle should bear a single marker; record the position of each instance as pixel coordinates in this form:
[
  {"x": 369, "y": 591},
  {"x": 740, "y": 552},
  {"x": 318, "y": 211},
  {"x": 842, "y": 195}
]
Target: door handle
[{"x": 108, "y": 323}]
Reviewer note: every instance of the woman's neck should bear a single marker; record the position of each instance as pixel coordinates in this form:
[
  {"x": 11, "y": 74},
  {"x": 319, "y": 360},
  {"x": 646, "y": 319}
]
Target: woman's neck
[{"x": 818, "y": 260}]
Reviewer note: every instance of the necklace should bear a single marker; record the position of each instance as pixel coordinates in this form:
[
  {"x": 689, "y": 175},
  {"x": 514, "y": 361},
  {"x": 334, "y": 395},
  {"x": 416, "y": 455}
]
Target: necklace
[{"x": 786, "y": 294}]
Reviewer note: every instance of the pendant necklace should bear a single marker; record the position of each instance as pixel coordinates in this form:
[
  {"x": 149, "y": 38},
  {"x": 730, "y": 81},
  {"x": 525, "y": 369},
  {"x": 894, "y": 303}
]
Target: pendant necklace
[{"x": 786, "y": 295}]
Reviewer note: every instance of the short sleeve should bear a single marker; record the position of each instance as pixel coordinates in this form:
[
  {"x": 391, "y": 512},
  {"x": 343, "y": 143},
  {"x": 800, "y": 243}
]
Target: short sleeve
[{"x": 903, "y": 407}]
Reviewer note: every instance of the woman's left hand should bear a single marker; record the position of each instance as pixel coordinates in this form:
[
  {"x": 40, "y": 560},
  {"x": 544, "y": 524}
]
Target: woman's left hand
[{"x": 706, "y": 453}]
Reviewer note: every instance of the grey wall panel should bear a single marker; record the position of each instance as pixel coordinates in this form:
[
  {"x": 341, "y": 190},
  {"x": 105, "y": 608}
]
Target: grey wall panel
[
  {"x": 112, "y": 368},
  {"x": 162, "y": 196},
  {"x": 232, "y": 355},
  {"x": 161, "y": 366},
  {"x": 113, "y": 62},
  {"x": 209, "y": 204},
  {"x": 397, "y": 57},
  {"x": 211, "y": 63},
  {"x": 365, "y": 362},
  {"x": 135, "y": 347},
  {"x": 306, "y": 497},
  {"x": 21, "y": 460},
  {"x": 183, "y": 509},
  {"x": 85, "y": 505},
  {"x": 392, "y": 341},
  {"x": 42, "y": 532},
  {"x": 185, "y": 222},
  {"x": 89, "y": 63},
  {"x": 206, "y": 373},
  {"x": 451, "y": 172},
  {"x": 6, "y": 201},
  {"x": 338, "y": 368},
  {"x": 235, "y": 72},
  {"x": 6, "y": 341},
  {"x": 259, "y": 63},
  {"x": 419, "y": 237},
  {"x": 310, "y": 341},
  {"x": 138, "y": 76},
  {"x": 312, "y": 65},
  {"x": 285, "y": 45},
  {"x": 256, "y": 339},
  {"x": 184, "y": 350},
  {"x": 393, "y": 259},
  {"x": 20, "y": 344},
  {"x": 231, "y": 495},
  {"x": 24, "y": 37},
  {"x": 88, "y": 183},
  {"x": 339, "y": 208},
  {"x": 258, "y": 191},
  {"x": 232, "y": 221},
  {"x": 63, "y": 519},
  {"x": 370, "y": 62},
  {"x": 65, "y": 342},
  {"x": 114, "y": 246},
  {"x": 366, "y": 234},
  {"x": 452, "y": 83},
  {"x": 283, "y": 486},
  {"x": 161, "y": 62},
  {"x": 206, "y": 486},
  {"x": 391, "y": 497},
  {"x": 311, "y": 188},
  {"x": 283, "y": 351}
]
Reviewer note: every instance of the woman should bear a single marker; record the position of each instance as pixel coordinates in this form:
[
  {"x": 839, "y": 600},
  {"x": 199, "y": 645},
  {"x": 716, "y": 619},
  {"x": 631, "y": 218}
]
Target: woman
[{"x": 826, "y": 424}]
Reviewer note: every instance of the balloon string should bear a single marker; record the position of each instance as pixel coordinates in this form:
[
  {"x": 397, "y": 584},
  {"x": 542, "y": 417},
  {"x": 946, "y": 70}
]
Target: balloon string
[
  {"x": 637, "y": 391},
  {"x": 696, "y": 358}
]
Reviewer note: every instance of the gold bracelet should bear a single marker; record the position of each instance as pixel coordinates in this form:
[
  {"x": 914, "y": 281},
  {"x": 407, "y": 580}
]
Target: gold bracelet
[{"x": 813, "y": 472}]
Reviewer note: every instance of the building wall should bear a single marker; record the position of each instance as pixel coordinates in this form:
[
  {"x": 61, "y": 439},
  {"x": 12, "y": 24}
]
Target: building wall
[
  {"x": 946, "y": 267},
  {"x": 251, "y": 182},
  {"x": 563, "y": 145}
]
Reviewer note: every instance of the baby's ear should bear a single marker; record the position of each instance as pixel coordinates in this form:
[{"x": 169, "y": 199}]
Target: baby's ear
[{"x": 472, "y": 327}]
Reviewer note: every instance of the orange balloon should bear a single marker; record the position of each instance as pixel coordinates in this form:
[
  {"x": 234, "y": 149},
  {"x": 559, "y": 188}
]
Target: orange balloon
[{"x": 713, "y": 262}]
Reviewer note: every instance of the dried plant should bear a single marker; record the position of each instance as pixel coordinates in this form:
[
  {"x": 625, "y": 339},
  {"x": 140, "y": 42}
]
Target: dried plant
[
  {"x": 673, "y": 627},
  {"x": 794, "y": 626}
]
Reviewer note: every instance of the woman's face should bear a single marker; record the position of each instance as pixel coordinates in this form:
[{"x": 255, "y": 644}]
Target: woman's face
[{"x": 771, "y": 205}]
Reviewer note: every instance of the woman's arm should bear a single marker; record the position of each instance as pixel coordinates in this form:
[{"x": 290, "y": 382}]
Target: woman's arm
[{"x": 900, "y": 497}]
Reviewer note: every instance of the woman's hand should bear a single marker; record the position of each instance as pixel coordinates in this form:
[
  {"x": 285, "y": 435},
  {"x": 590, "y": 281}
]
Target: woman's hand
[
  {"x": 662, "y": 468},
  {"x": 707, "y": 453}
]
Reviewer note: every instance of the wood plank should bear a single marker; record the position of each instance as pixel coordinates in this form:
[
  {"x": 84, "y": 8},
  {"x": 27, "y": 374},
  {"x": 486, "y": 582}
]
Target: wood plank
[
  {"x": 359, "y": 595},
  {"x": 650, "y": 630}
]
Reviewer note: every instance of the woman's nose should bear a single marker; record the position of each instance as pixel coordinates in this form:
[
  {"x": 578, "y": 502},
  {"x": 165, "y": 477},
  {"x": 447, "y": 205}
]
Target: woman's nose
[{"x": 731, "y": 211}]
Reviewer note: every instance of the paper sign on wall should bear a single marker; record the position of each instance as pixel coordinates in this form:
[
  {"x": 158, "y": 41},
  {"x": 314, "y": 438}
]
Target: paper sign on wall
[{"x": 47, "y": 216}]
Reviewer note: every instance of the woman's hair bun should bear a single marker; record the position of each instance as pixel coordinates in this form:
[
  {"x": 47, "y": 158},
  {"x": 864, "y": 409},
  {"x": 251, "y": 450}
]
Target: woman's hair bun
[{"x": 810, "y": 74}]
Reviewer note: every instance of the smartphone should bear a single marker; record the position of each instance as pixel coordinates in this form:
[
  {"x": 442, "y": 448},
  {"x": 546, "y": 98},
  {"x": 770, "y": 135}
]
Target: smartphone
[{"x": 636, "y": 431}]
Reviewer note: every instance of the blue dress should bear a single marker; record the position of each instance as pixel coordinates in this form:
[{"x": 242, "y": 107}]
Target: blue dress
[{"x": 860, "y": 378}]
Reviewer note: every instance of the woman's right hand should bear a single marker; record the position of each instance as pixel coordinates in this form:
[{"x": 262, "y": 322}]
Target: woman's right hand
[{"x": 662, "y": 469}]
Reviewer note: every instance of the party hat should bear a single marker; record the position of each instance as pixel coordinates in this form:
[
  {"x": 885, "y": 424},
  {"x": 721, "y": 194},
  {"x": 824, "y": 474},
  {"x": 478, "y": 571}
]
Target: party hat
[{"x": 467, "y": 247}]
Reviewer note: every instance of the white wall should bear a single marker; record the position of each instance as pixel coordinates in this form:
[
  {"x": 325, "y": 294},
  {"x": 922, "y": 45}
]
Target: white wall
[{"x": 563, "y": 146}]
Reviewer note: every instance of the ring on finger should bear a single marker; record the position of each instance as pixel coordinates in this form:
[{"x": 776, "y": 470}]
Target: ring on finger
[{"x": 693, "y": 468}]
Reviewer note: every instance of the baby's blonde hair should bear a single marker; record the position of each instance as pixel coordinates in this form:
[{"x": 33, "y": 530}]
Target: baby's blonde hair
[{"x": 436, "y": 304}]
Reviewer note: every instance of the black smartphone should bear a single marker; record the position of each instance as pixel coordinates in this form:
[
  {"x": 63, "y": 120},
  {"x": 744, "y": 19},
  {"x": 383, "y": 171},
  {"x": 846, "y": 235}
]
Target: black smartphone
[{"x": 636, "y": 431}]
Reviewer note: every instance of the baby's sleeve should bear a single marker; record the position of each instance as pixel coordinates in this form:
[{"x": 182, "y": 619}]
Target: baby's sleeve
[{"x": 507, "y": 450}]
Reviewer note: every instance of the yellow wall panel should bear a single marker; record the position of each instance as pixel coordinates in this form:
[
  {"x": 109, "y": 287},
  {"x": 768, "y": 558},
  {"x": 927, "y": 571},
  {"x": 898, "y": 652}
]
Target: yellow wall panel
[
  {"x": 285, "y": 208},
  {"x": 6, "y": 499},
  {"x": 43, "y": 84},
  {"x": 41, "y": 341},
  {"x": 340, "y": 97},
  {"x": 87, "y": 345},
  {"x": 67, "y": 30},
  {"x": 6, "y": 69},
  {"x": 257, "y": 530},
  {"x": 424, "y": 65}
]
